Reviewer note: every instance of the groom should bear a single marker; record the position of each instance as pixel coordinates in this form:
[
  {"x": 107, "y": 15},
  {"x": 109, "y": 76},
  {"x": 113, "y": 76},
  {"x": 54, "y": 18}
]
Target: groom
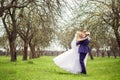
[{"x": 83, "y": 49}]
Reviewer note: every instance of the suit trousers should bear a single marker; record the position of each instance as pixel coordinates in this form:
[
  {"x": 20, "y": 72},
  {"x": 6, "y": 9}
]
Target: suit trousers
[{"x": 81, "y": 60}]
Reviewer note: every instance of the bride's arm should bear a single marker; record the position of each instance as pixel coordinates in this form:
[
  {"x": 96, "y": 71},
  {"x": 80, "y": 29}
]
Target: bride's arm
[
  {"x": 78, "y": 37},
  {"x": 81, "y": 39}
]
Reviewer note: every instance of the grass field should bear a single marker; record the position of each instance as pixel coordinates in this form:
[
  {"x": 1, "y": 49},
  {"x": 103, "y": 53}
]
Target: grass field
[{"x": 43, "y": 68}]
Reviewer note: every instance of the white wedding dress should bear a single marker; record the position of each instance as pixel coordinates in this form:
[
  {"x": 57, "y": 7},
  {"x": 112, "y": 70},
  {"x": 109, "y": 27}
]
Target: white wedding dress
[{"x": 69, "y": 60}]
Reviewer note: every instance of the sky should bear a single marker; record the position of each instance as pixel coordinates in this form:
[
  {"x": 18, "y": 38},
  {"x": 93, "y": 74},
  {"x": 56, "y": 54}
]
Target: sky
[{"x": 1, "y": 28}]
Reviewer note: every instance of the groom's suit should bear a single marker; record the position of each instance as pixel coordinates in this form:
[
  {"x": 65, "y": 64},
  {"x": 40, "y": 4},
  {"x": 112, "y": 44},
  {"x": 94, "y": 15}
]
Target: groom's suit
[{"x": 83, "y": 50}]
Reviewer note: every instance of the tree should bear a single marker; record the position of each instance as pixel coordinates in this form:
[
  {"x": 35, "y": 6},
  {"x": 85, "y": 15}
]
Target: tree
[
  {"x": 38, "y": 19},
  {"x": 8, "y": 12},
  {"x": 25, "y": 32},
  {"x": 101, "y": 18},
  {"x": 110, "y": 15}
]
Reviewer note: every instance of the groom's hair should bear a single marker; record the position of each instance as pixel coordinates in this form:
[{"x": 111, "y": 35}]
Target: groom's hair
[{"x": 84, "y": 31}]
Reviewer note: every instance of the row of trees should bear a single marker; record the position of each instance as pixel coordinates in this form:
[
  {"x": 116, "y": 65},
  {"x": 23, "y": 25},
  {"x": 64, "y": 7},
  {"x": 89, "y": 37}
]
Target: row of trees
[
  {"x": 36, "y": 23},
  {"x": 29, "y": 22},
  {"x": 102, "y": 19}
]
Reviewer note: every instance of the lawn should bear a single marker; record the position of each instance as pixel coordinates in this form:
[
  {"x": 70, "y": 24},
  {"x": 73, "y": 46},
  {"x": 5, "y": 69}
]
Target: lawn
[{"x": 43, "y": 68}]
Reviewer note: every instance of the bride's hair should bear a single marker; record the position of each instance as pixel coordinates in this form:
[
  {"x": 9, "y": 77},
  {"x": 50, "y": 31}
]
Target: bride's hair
[{"x": 78, "y": 35}]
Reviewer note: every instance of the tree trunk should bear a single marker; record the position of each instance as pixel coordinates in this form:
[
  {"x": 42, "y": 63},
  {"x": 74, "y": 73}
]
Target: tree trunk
[
  {"x": 32, "y": 48},
  {"x": 12, "y": 50},
  {"x": 25, "y": 50},
  {"x": 103, "y": 54},
  {"x": 91, "y": 56},
  {"x": 114, "y": 54},
  {"x": 108, "y": 53},
  {"x": 116, "y": 21},
  {"x": 38, "y": 52},
  {"x": 11, "y": 37},
  {"x": 117, "y": 36},
  {"x": 97, "y": 52}
]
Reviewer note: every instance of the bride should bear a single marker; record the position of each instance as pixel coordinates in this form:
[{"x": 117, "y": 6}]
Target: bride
[{"x": 69, "y": 60}]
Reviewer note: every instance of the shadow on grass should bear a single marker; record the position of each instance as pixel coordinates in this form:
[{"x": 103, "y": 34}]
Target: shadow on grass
[
  {"x": 64, "y": 73},
  {"x": 68, "y": 73}
]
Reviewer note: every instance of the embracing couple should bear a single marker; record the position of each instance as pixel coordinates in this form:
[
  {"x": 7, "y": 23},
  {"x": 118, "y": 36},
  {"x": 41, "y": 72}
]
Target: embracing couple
[{"x": 74, "y": 60}]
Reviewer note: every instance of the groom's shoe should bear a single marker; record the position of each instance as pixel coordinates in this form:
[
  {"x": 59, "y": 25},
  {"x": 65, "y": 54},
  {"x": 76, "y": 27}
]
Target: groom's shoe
[{"x": 83, "y": 73}]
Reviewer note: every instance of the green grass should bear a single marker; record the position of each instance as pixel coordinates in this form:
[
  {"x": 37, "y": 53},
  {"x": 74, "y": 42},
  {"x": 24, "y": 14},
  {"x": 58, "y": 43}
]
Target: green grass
[{"x": 43, "y": 68}]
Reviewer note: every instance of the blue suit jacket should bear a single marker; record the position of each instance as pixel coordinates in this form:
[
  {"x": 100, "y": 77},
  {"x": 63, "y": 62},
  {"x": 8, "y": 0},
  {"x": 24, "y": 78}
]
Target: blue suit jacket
[{"x": 83, "y": 48}]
